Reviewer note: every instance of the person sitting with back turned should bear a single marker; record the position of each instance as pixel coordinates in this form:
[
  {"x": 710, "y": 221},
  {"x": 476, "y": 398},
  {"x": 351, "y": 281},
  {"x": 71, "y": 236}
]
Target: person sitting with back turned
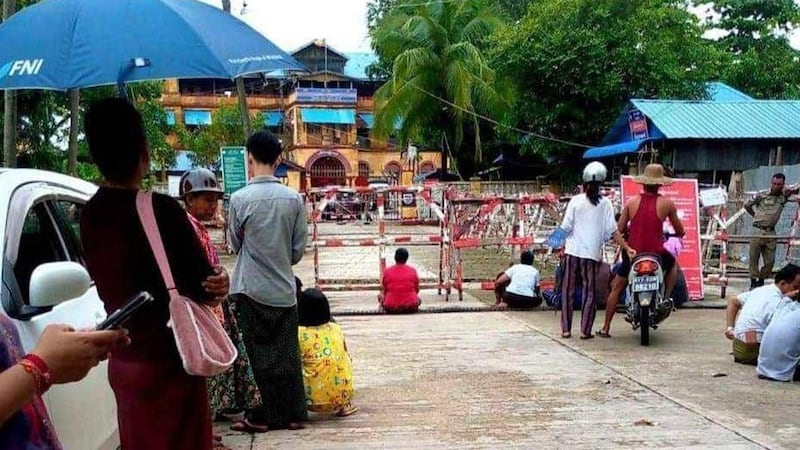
[
  {"x": 749, "y": 314},
  {"x": 522, "y": 290},
  {"x": 400, "y": 286}
]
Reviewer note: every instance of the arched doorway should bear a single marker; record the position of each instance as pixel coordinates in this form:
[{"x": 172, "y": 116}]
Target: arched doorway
[
  {"x": 393, "y": 170},
  {"x": 327, "y": 171}
]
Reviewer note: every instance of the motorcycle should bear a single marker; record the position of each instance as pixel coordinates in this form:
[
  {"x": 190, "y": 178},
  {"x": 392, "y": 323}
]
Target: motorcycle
[{"x": 646, "y": 306}]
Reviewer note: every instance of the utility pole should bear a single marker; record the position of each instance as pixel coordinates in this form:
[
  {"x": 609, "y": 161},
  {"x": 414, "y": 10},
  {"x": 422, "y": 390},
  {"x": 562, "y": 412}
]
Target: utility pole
[
  {"x": 241, "y": 94},
  {"x": 9, "y": 106}
]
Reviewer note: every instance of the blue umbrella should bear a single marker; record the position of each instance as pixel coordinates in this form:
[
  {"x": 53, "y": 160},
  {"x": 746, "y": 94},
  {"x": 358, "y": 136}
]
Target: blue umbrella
[{"x": 65, "y": 44}]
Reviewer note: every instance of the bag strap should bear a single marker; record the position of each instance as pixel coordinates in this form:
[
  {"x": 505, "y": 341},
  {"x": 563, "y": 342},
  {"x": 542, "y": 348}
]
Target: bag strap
[{"x": 144, "y": 205}]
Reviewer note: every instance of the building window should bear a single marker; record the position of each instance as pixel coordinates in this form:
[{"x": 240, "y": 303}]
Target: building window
[
  {"x": 363, "y": 169},
  {"x": 427, "y": 167}
]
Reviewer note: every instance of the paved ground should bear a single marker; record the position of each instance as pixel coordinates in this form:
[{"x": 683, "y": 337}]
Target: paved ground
[{"x": 505, "y": 380}]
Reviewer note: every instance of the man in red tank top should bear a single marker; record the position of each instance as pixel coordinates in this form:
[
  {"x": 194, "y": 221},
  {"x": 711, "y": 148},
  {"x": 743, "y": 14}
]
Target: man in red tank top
[{"x": 642, "y": 219}]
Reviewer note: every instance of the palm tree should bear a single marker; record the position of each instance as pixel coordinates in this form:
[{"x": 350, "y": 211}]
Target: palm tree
[{"x": 440, "y": 78}]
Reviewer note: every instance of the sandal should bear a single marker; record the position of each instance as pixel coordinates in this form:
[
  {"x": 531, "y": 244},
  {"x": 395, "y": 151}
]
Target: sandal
[
  {"x": 604, "y": 334},
  {"x": 584, "y": 338},
  {"x": 347, "y": 410},
  {"x": 294, "y": 426},
  {"x": 566, "y": 335},
  {"x": 245, "y": 426}
]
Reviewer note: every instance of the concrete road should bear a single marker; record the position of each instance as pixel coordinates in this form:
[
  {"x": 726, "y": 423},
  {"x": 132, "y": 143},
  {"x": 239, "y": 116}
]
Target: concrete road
[{"x": 500, "y": 380}]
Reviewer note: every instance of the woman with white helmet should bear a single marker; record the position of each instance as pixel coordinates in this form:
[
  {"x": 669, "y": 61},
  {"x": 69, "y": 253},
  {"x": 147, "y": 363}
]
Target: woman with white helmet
[{"x": 589, "y": 223}]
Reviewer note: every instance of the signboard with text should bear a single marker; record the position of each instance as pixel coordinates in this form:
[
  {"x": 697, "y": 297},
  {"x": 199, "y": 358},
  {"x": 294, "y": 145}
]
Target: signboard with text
[
  {"x": 638, "y": 124},
  {"x": 684, "y": 193},
  {"x": 234, "y": 168},
  {"x": 326, "y": 95}
]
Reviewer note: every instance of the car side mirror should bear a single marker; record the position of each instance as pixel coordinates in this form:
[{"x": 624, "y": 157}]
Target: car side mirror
[{"x": 55, "y": 283}]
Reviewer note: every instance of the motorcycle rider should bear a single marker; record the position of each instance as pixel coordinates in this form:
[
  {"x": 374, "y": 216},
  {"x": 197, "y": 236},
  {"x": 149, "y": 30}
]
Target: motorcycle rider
[{"x": 642, "y": 219}]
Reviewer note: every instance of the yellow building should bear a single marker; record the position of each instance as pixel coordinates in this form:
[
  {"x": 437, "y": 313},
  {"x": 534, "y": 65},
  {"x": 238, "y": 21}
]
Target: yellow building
[{"x": 324, "y": 117}]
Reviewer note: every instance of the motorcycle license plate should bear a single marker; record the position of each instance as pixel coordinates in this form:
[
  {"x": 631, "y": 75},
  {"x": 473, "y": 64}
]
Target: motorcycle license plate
[{"x": 645, "y": 284}]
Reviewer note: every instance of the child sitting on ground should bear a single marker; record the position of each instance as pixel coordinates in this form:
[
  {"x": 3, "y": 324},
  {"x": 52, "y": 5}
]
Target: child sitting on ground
[{"x": 327, "y": 370}]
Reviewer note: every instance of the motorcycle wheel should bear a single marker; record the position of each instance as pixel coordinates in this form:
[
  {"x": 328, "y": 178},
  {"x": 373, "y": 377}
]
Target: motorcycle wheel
[{"x": 644, "y": 324}]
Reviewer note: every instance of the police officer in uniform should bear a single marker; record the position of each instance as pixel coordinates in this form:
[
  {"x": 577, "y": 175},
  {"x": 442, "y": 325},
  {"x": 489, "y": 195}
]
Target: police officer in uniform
[{"x": 766, "y": 211}]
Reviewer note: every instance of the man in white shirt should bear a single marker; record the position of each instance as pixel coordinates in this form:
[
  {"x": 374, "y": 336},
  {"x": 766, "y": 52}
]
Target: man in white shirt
[
  {"x": 780, "y": 347},
  {"x": 755, "y": 310},
  {"x": 521, "y": 283}
]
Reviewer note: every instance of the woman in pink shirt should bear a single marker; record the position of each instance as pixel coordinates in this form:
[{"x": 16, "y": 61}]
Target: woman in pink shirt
[{"x": 400, "y": 286}]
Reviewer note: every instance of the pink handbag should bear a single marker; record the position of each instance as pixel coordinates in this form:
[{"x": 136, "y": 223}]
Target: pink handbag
[{"x": 204, "y": 346}]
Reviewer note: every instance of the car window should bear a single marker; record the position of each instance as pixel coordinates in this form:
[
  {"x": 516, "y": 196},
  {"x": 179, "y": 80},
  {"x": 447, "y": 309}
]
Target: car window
[
  {"x": 39, "y": 244},
  {"x": 68, "y": 219}
]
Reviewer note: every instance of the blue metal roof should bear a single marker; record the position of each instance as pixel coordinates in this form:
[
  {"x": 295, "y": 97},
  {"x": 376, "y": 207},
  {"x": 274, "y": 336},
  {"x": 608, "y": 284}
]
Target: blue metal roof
[
  {"x": 324, "y": 115},
  {"x": 368, "y": 118},
  {"x": 721, "y": 92},
  {"x": 621, "y": 148},
  {"x": 754, "y": 119},
  {"x": 273, "y": 118},
  {"x": 357, "y": 63}
]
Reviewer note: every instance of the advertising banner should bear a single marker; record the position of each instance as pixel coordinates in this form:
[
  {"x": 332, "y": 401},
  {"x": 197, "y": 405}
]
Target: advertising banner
[{"x": 684, "y": 193}]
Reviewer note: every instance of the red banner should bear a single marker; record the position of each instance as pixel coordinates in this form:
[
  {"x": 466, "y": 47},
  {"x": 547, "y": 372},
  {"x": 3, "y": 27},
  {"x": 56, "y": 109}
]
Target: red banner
[{"x": 685, "y": 194}]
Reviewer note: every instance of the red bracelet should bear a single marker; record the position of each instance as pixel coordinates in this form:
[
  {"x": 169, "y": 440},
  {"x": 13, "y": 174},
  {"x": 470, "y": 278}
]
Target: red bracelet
[{"x": 38, "y": 369}]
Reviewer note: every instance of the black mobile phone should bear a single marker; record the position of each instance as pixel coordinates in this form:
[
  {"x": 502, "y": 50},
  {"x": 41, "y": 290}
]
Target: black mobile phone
[{"x": 122, "y": 315}]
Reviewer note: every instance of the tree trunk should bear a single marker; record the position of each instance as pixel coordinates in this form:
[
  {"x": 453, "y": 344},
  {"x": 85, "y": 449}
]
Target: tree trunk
[
  {"x": 241, "y": 94},
  {"x": 74, "y": 126},
  {"x": 478, "y": 146},
  {"x": 9, "y": 107},
  {"x": 245, "y": 113}
]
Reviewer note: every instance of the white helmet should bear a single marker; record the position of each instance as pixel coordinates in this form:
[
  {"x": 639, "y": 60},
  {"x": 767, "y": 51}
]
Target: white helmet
[{"x": 595, "y": 171}]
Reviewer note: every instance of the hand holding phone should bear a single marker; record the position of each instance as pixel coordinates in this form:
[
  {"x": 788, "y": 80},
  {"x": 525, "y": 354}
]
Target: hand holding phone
[{"x": 122, "y": 315}]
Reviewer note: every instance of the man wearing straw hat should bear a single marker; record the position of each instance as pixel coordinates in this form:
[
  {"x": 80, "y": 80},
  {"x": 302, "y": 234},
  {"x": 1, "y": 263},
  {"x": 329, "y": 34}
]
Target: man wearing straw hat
[{"x": 642, "y": 219}]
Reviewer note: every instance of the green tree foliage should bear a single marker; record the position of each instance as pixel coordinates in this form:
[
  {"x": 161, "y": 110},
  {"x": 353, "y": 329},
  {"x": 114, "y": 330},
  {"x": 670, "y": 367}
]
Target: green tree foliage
[
  {"x": 436, "y": 50},
  {"x": 764, "y": 65},
  {"x": 204, "y": 142},
  {"x": 577, "y": 62}
]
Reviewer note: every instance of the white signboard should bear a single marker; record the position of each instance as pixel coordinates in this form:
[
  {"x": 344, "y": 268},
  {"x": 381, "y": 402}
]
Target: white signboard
[
  {"x": 713, "y": 197},
  {"x": 173, "y": 183}
]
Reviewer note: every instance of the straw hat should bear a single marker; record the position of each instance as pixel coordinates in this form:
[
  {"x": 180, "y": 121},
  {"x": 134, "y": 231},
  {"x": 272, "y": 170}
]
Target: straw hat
[{"x": 653, "y": 175}]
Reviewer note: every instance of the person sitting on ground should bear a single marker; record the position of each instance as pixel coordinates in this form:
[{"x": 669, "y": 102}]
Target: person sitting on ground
[
  {"x": 400, "y": 286},
  {"x": 779, "y": 355},
  {"x": 327, "y": 368},
  {"x": 755, "y": 310},
  {"x": 522, "y": 290}
]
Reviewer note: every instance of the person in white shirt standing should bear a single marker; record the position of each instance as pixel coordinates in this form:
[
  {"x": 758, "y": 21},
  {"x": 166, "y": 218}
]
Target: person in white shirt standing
[
  {"x": 755, "y": 310},
  {"x": 521, "y": 283},
  {"x": 589, "y": 223}
]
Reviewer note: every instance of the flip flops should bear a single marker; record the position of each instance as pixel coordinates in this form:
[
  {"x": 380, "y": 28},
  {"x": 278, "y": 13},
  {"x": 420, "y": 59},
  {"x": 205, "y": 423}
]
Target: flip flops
[
  {"x": 245, "y": 426},
  {"x": 604, "y": 334}
]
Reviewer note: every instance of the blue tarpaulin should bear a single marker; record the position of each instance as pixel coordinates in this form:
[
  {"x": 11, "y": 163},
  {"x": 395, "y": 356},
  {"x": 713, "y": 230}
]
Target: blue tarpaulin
[
  {"x": 325, "y": 115},
  {"x": 273, "y": 118},
  {"x": 620, "y": 148},
  {"x": 64, "y": 44},
  {"x": 196, "y": 117},
  {"x": 368, "y": 118}
]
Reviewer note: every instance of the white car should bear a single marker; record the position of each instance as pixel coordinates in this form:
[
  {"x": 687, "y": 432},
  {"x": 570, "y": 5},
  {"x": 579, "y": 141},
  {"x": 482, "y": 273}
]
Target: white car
[{"x": 44, "y": 282}]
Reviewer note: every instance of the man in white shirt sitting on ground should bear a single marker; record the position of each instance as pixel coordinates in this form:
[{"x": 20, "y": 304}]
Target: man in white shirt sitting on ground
[
  {"x": 780, "y": 347},
  {"x": 755, "y": 310},
  {"x": 518, "y": 287}
]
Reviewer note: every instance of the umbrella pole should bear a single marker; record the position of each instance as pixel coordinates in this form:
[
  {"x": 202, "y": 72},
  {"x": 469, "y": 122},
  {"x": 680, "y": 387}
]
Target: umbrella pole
[{"x": 121, "y": 88}]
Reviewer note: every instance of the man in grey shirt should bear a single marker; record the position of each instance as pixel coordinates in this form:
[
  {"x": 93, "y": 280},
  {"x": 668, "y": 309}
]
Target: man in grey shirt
[{"x": 267, "y": 229}]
